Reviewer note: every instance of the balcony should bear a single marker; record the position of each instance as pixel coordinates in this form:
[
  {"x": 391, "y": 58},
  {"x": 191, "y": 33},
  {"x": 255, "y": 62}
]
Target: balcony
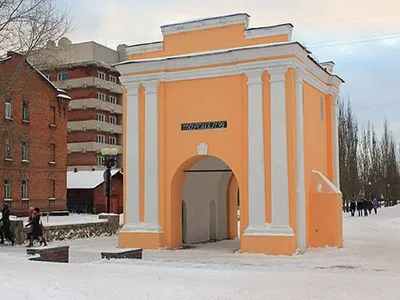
[
  {"x": 83, "y": 147},
  {"x": 96, "y": 104},
  {"x": 85, "y": 82},
  {"x": 94, "y": 125}
]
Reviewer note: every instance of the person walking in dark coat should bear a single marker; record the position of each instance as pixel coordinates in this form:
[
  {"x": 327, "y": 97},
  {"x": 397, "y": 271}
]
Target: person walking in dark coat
[
  {"x": 5, "y": 231},
  {"x": 37, "y": 228},
  {"x": 353, "y": 208},
  {"x": 359, "y": 207},
  {"x": 365, "y": 206}
]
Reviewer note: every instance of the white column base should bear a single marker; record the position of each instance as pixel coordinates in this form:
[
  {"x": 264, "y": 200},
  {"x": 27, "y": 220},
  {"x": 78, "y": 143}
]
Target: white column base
[
  {"x": 142, "y": 227},
  {"x": 269, "y": 230}
]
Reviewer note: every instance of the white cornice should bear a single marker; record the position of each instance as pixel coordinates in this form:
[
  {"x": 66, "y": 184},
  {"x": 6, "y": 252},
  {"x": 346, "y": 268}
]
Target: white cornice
[
  {"x": 202, "y": 24},
  {"x": 254, "y": 33},
  {"x": 316, "y": 76},
  {"x": 144, "y": 48}
]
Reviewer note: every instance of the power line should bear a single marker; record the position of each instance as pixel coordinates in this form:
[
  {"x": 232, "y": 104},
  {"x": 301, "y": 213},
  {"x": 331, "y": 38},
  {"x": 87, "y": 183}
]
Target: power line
[
  {"x": 395, "y": 34},
  {"x": 374, "y": 105},
  {"x": 354, "y": 42}
]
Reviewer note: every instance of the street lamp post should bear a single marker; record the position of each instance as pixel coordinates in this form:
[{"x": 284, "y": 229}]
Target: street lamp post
[{"x": 110, "y": 157}]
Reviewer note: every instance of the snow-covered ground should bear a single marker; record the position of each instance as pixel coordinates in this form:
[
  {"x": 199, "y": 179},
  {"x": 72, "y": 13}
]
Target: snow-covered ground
[{"x": 368, "y": 267}]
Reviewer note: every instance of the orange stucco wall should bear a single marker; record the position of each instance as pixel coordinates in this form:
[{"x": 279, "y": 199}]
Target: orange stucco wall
[
  {"x": 315, "y": 141},
  {"x": 207, "y": 40},
  {"x": 202, "y": 100}
]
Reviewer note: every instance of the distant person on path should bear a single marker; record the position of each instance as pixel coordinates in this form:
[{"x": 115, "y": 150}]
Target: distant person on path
[
  {"x": 5, "y": 231},
  {"x": 359, "y": 208},
  {"x": 370, "y": 206},
  {"x": 37, "y": 228},
  {"x": 365, "y": 206},
  {"x": 353, "y": 208},
  {"x": 375, "y": 203}
]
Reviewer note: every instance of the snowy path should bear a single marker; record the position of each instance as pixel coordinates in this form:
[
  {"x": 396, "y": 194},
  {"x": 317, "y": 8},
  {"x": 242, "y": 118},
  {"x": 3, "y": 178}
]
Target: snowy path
[{"x": 368, "y": 267}]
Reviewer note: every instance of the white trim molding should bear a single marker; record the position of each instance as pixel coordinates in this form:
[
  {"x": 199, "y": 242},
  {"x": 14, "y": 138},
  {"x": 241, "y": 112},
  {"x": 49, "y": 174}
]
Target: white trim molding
[
  {"x": 144, "y": 48},
  {"x": 282, "y": 29},
  {"x": 256, "y": 167},
  {"x": 301, "y": 232},
  {"x": 279, "y": 154},
  {"x": 207, "y": 23},
  {"x": 151, "y": 193},
  {"x": 164, "y": 67},
  {"x": 131, "y": 174},
  {"x": 335, "y": 139}
]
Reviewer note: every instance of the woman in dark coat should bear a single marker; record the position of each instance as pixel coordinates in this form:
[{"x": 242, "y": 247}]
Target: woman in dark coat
[
  {"x": 37, "y": 228},
  {"x": 6, "y": 226}
]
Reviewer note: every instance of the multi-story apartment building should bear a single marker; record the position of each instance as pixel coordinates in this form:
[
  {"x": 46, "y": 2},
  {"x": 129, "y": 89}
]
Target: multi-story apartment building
[
  {"x": 95, "y": 112},
  {"x": 33, "y": 138}
]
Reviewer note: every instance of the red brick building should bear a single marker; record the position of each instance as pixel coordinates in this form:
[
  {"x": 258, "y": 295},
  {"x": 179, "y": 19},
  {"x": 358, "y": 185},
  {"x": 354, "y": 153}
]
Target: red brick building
[
  {"x": 33, "y": 138},
  {"x": 86, "y": 192},
  {"x": 95, "y": 116}
]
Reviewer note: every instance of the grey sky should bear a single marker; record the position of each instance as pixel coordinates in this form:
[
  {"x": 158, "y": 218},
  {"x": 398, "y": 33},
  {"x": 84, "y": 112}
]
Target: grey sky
[{"x": 370, "y": 69}]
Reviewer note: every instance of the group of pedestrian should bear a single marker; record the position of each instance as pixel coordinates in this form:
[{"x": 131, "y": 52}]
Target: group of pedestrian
[
  {"x": 34, "y": 225},
  {"x": 363, "y": 207}
]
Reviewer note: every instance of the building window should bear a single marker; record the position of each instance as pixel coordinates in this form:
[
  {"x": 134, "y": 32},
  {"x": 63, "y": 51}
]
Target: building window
[
  {"x": 25, "y": 151},
  {"x": 101, "y": 117},
  {"x": 62, "y": 76},
  {"x": 112, "y": 140},
  {"x": 101, "y": 75},
  {"x": 112, "y": 99},
  {"x": 101, "y": 96},
  {"x": 8, "y": 111},
  {"x": 101, "y": 139},
  {"x": 53, "y": 152},
  {"x": 53, "y": 189},
  {"x": 321, "y": 105},
  {"x": 7, "y": 189},
  {"x": 48, "y": 76},
  {"x": 113, "y": 79},
  {"x": 112, "y": 120},
  {"x": 25, "y": 111},
  {"x": 25, "y": 189},
  {"x": 7, "y": 150},
  {"x": 53, "y": 115},
  {"x": 100, "y": 161}
]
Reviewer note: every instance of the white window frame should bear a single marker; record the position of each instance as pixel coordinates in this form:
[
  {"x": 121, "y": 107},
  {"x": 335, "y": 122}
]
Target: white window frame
[
  {"x": 101, "y": 96},
  {"x": 8, "y": 109},
  {"x": 113, "y": 78},
  {"x": 114, "y": 122},
  {"x": 101, "y": 117},
  {"x": 113, "y": 139},
  {"x": 25, "y": 189},
  {"x": 7, "y": 189},
  {"x": 25, "y": 111},
  {"x": 101, "y": 139},
  {"x": 112, "y": 99},
  {"x": 7, "y": 148},
  {"x": 100, "y": 161},
  {"x": 60, "y": 76},
  {"x": 101, "y": 75},
  {"x": 25, "y": 151}
]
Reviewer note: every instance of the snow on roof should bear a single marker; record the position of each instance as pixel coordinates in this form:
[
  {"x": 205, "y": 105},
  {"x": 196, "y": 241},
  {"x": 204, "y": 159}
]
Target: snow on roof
[
  {"x": 86, "y": 179},
  {"x": 4, "y": 58},
  {"x": 64, "y": 96}
]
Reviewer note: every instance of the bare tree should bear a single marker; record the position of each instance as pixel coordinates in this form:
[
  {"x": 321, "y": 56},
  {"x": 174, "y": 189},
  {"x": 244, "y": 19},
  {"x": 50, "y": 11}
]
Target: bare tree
[{"x": 27, "y": 26}]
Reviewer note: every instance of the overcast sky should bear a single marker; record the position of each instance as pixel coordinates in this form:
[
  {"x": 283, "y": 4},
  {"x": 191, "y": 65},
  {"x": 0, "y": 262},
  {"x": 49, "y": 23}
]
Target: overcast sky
[{"x": 362, "y": 37}]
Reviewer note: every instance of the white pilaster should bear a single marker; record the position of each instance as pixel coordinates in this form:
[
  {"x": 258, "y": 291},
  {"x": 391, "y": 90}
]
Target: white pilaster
[
  {"x": 131, "y": 172},
  {"x": 335, "y": 141},
  {"x": 279, "y": 159},
  {"x": 301, "y": 194},
  {"x": 151, "y": 156},
  {"x": 256, "y": 171}
]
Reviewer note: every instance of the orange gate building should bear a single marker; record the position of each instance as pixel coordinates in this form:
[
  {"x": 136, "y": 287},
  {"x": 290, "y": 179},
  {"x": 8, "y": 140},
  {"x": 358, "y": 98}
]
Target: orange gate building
[{"x": 218, "y": 114}]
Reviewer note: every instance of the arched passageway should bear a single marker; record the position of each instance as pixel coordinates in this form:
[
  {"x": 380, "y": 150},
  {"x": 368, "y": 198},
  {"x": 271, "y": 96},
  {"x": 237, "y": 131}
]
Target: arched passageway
[{"x": 209, "y": 202}]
